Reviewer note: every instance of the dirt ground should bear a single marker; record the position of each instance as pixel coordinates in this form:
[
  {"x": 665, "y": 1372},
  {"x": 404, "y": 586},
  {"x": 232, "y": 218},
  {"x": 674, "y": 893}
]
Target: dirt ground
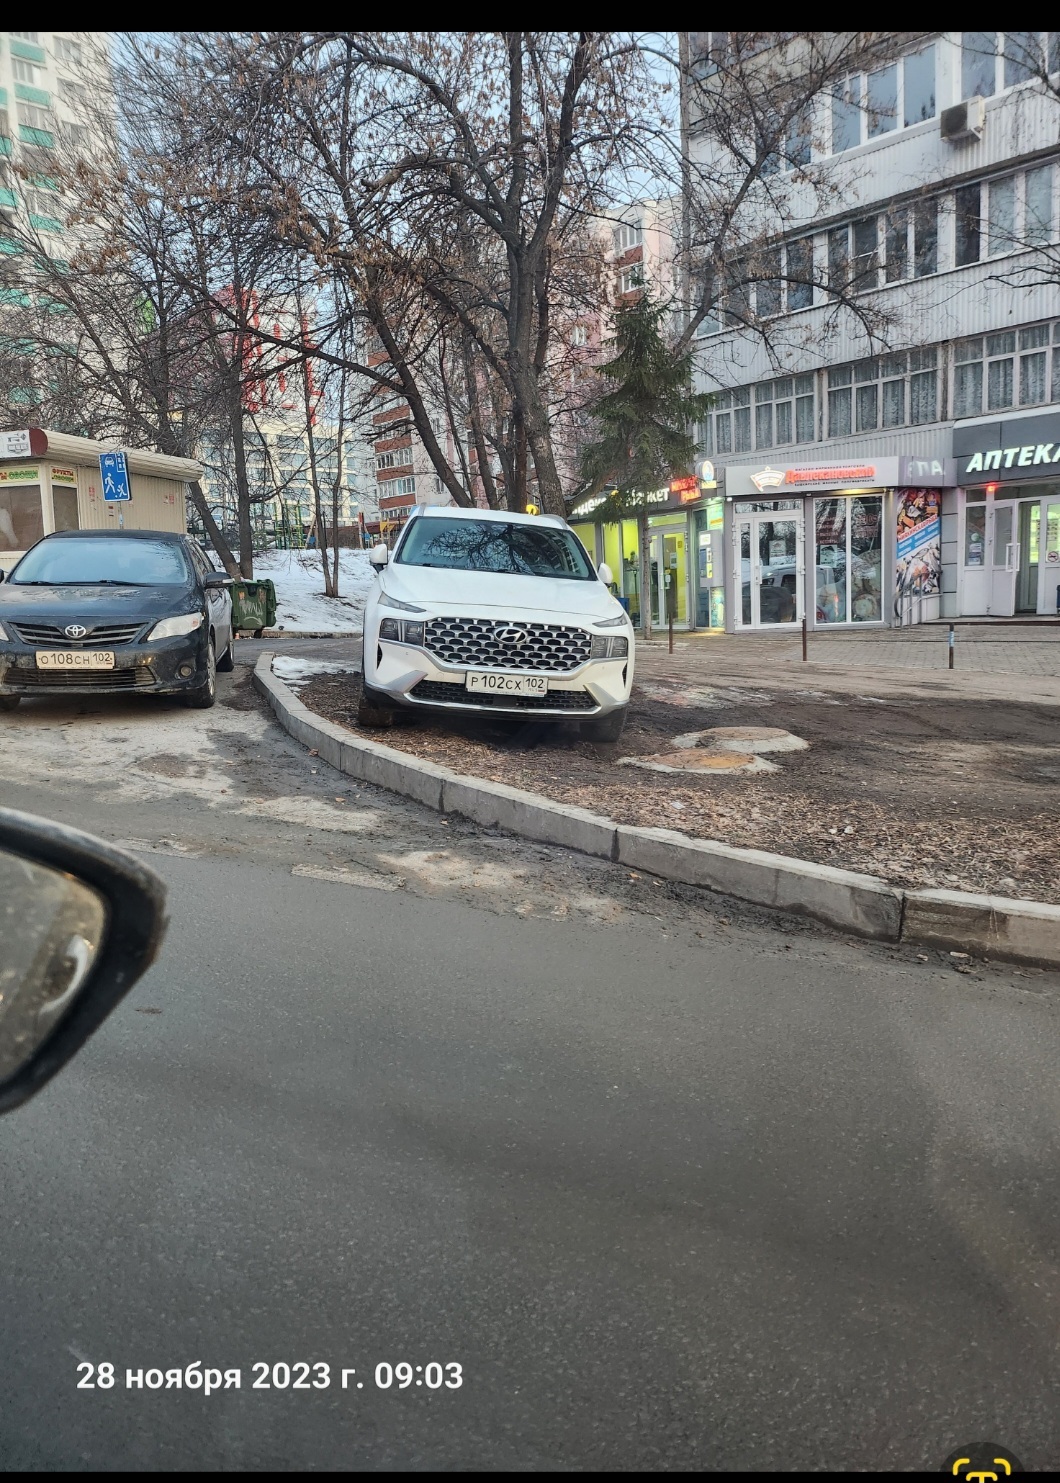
[{"x": 933, "y": 793}]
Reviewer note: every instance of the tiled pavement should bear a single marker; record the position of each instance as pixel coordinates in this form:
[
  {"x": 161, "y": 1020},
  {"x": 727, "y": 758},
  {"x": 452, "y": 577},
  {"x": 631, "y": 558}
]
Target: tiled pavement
[{"x": 1021, "y": 662}]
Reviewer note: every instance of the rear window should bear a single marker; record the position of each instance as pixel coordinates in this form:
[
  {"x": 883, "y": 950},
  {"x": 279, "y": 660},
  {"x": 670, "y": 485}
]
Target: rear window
[
  {"x": 495, "y": 546},
  {"x": 138, "y": 563}
]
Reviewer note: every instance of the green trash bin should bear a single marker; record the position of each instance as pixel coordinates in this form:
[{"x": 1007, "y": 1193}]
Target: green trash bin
[{"x": 253, "y": 604}]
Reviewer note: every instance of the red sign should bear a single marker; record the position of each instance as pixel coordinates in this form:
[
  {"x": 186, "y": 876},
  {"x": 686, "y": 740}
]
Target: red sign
[
  {"x": 686, "y": 488},
  {"x": 830, "y": 474}
]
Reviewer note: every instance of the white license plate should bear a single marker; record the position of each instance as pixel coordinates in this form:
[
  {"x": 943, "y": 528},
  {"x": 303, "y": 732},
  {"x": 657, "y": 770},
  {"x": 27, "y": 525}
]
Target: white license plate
[
  {"x": 75, "y": 659},
  {"x": 501, "y": 684}
]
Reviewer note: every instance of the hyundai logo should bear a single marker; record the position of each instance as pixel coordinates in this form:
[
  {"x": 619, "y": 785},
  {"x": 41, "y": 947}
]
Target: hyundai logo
[
  {"x": 75, "y": 631},
  {"x": 513, "y": 637}
]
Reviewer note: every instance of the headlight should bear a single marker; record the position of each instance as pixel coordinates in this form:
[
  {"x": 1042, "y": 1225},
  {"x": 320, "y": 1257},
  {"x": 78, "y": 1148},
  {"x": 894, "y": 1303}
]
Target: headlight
[
  {"x": 171, "y": 628},
  {"x": 610, "y": 622},
  {"x": 604, "y": 647},
  {"x": 402, "y": 607},
  {"x": 400, "y": 632},
  {"x": 5, "y": 637}
]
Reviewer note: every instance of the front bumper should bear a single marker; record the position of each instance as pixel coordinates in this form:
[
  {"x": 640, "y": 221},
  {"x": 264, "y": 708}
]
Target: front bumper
[
  {"x": 416, "y": 678},
  {"x": 144, "y": 668}
]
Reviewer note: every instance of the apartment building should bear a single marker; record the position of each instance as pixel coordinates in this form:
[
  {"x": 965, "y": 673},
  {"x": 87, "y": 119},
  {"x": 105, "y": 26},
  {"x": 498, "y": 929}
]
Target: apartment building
[
  {"x": 50, "y": 82},
  {"x": 901, "y": 463}
]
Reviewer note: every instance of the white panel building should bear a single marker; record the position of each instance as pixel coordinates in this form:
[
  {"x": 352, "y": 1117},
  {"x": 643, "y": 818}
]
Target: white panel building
[{"x": 872, "y": 478}]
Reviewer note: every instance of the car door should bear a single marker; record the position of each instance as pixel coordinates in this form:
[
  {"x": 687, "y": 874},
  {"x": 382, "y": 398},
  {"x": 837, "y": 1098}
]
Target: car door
[{"x": 218, "y": 602}]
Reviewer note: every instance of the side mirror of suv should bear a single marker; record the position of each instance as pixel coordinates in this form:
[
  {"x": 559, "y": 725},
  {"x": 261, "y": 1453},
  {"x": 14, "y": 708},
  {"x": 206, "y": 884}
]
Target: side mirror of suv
[
  {"x": 217, "y": 579},
  {"x": 379, "y": 556},
  {"x": 605, "y": 574}
]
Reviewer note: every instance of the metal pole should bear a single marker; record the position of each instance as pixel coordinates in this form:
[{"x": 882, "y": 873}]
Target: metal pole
[
  {"x": 804, "y": 638},
  {"x": 670, "y": 617},
  {"x": 950, "y": 665}
]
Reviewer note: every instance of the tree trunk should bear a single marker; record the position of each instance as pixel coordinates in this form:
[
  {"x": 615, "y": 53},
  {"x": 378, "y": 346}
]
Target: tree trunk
[{"x": 217, "y": 540}]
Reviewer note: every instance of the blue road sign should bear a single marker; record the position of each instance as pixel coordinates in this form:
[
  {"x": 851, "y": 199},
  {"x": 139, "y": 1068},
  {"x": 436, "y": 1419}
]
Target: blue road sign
[{"x": 114, "y": 475}]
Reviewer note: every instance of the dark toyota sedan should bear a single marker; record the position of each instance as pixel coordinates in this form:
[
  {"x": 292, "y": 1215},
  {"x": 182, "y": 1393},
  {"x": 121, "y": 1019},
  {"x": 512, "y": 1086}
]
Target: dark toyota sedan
[{"x": 97, "y": 612}]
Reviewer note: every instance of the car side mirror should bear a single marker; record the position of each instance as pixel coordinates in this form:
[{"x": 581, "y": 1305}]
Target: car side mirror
[
  {"x": 80, "y": 921},
  {"x": 3, "y": 574},
  {"x": 605, "y": 574},
  {"x": 217, "y": 579},
  {"x": 378, "y": 556}
]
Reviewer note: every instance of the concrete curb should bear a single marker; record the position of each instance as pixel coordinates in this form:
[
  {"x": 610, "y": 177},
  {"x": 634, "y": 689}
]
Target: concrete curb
[{"x": 1020, "y": 931}]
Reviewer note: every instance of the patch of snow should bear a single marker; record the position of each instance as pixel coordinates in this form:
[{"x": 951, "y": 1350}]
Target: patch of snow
[
  {"x": 301, "y": 604},
  {"x": 296, "y": 672}
]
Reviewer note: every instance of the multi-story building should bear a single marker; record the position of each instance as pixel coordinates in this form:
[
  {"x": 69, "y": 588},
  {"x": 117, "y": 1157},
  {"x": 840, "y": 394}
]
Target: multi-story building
[
  {"x": 51, "y": 83},
  {"x": 897, "y": 459}
]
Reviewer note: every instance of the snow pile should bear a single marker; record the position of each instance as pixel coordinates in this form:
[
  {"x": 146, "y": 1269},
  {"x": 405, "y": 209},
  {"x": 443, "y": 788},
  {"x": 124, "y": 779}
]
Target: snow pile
[
  {"x": 297, "y": 672},
  {"x": 301, "y": 606}
]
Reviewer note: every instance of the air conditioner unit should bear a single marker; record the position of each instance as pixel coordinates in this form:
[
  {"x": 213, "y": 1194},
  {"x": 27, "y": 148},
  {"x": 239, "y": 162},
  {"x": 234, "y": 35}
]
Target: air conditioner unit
[{"x": 963, "y": 121}]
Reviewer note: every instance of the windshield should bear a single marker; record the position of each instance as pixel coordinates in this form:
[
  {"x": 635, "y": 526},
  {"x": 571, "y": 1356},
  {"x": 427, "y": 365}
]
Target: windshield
[
  {"x": 137, "y": 563},
  {"x": 496, "y": 546}
]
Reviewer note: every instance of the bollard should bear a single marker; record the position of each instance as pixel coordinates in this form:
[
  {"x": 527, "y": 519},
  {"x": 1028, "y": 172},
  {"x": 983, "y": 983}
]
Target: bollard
[
  {"x": 952, "y": 636},
  {"x": 804, "y": 638},
  {"x": 672, "y": 631}
]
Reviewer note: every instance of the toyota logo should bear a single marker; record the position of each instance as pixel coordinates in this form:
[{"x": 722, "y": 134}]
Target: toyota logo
[
  {"x": 513, "y": 637},
  {"x": 75, "y": 631}
]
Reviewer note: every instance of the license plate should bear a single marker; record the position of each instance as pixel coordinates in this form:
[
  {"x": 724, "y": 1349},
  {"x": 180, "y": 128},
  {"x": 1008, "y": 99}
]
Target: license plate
[
  {"x": 501, "y": 684},
  {"x": 75, "y": 659}
]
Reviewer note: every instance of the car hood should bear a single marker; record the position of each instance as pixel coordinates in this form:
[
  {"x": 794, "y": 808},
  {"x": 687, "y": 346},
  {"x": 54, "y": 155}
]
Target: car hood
[
  {"x": 461, "y": 592},
  {"x": 91, "y": 605}
]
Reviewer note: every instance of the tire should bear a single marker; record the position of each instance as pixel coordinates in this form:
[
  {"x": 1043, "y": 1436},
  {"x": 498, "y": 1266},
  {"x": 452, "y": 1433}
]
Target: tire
[
  {"x": 202, "y": 698},
  {"x": 374, "y": 710},
  {"x": 9, "y": 702},
  {"x": 227, "y": 662},
  {"x": 608, "y": 729}
]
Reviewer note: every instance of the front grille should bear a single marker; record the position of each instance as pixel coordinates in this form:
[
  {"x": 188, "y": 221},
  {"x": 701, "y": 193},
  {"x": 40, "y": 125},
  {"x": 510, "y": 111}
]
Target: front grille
[
  {"x": 50, "y": 635},
  {"x": 58, "y": 679},
  {"x": 555, "y": 700},
  {"x": 475, "y": 643}
]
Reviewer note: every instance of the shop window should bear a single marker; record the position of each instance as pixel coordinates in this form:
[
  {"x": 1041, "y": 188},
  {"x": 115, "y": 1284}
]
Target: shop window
[
  {"x": 848, "y": 557},
  {"x": 21, "y": 517},
  {"x": 64, "y": 507},
  {"x": 975, "y": 533}
]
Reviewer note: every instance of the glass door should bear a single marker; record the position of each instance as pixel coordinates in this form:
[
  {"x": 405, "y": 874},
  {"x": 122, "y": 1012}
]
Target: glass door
[
  {"x": 769, "y": 567},
  {"x": 1004, "y": 560},
  {"x": 1028, "y": 531}
]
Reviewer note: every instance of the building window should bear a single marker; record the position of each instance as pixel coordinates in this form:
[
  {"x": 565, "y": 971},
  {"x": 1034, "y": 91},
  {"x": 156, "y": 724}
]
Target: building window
[
  {"x": 36, "y": 118},
  {"x": 923, "y": 385},
  {"x": 403, "y": 486},
  {"x": 799, "y": 141},
  {"x": 630, "y": 279},
  {"x": 968, "y": 378},
  {"x": 838, "y": 258},
  {"x": 882, "y": 101},
  {"x": 868, "y": 107},
  {"x": 896, "y": 245},
  {"x": 579, "y": 335},
  {"x": 799, "y": 273},
  {"x": 1001, "y": 219},
  {"x": 25, "y": 71},
  {"x": 866, "y": 257},
  {"x": 33, "y": 37},
  {"x": 839, "y": 401},
  {"x": 925, "y": 238},
  {"x": 783, "y": 414},
  {"x": 1038, "y": 203},
  {"x": 889, "y": 391},
  {"x": 627, "y": 236},
  {"x": 1022, "y": 52},
  {"x": 69, "y": 51},
  {"x": 978, "y": 64},
  {"x": 769, "y": 296}
]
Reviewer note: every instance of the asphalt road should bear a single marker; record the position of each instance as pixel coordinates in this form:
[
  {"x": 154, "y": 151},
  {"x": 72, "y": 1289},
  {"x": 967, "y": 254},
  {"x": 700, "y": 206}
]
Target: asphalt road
[{"x": 680, "y": 1186}]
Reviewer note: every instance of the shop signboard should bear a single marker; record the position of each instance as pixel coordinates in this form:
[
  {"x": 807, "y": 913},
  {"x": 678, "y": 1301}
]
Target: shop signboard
[
  {"x": 775, "y": 481},
  {"x": 1008, "y": 449},
  {"x": 919, "y": 545}
]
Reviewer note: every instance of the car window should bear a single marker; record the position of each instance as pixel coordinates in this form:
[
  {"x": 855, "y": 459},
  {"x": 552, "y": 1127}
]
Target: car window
[
  {"x": 72, "y": 562},
  {"x": 495, "y": 546}
]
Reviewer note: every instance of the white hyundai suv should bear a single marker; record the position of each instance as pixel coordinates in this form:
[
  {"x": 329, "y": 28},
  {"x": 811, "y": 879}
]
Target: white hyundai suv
[{"x": 487, "y": 611}]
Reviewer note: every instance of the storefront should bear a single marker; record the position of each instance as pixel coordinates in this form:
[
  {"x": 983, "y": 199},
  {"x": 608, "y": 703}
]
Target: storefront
[
  {"x": 51, "y": 482},
  {"x": 1008, "y": 526},
  {"x": 682, "y": 567},
  {"x": 874, "y": 530}
]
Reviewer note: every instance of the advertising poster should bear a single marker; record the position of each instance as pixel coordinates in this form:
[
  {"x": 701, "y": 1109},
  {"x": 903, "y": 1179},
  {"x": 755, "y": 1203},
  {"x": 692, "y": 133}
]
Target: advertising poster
[{"x": 919, "y": 565}]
